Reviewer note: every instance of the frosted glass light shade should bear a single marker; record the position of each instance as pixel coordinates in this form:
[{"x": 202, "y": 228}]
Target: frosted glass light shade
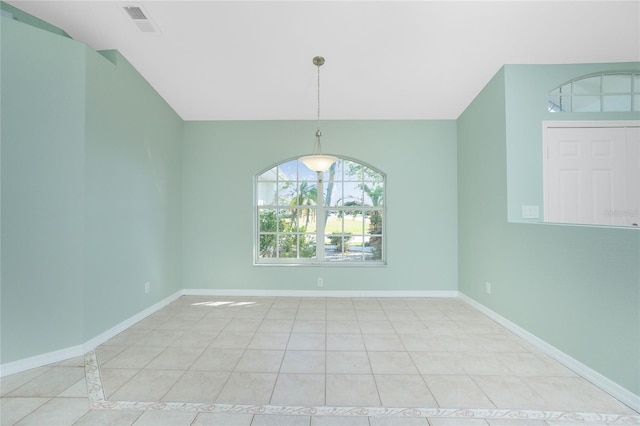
[{"x": 318, "y": 162}]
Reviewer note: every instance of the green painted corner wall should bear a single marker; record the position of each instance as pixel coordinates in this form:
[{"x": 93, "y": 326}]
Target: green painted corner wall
[
  {"x": 575, "y": 287},
  {"x": 133, "y": 184},
  {"x": 42, "y": 107},
  {"x": 220, "y": 160},
  {"x": 91, "y": 183}
]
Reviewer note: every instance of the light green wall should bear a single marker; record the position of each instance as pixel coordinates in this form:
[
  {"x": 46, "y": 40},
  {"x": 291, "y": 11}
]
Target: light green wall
[
  {"x": 91, "y": 182},
  {"x": 133, "y": 183},
  {"x": 42, "y": 135},
  {"x": 527, "y": 88},
  {"x": 221, "y": 158},
  {"x": 575, "y": 287}
]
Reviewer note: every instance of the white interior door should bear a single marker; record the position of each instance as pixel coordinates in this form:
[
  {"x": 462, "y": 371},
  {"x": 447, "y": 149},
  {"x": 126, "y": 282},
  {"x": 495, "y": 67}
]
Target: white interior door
[{"x": 592, "y": 175}]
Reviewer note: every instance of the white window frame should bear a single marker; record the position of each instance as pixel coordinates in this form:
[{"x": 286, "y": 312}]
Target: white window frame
[
  {"x": 320, "y": 213},
  {"x": 560, "y": 93}
]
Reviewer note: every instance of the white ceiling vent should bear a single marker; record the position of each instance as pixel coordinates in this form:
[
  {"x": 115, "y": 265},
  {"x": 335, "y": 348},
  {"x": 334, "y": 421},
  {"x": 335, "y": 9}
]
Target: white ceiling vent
[{"x": 141, "y": 18}]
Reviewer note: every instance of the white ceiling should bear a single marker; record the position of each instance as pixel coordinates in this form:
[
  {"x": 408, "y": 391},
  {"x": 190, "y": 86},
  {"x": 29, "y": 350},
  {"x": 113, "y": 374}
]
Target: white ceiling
[{"x": 242, "y": 60}]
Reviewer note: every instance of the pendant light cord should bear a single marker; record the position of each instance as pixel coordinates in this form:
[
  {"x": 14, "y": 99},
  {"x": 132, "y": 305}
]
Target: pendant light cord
[{"x": 318, "y": 122}]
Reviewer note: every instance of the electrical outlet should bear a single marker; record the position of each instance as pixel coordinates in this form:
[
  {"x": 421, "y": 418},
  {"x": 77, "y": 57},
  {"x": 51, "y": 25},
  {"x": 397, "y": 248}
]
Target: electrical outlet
[
  {"x": 530, "y": 212},
  {"x": 487, "y": 287},
  {"x": 147, "y": 287},
  {"x": 320, "y": 282}
]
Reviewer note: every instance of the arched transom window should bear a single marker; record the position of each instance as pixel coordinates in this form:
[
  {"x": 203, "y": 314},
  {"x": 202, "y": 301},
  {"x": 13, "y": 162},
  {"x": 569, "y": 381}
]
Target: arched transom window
[
  {"x": 334, "y": 217},
  {"x": 608, "y": 92}
]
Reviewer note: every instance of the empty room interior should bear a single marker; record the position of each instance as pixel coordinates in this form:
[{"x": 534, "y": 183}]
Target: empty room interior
[{"x": 320, "y": 213}]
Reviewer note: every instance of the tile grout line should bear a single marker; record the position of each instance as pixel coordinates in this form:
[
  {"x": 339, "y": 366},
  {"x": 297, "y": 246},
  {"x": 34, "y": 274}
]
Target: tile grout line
[
  {"x": 192, "y": 362},
  {"x": 98, "y": 401}
]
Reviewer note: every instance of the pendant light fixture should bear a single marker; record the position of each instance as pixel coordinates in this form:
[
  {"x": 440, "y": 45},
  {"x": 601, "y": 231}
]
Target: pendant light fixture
[{"x": 318, "y": 162}]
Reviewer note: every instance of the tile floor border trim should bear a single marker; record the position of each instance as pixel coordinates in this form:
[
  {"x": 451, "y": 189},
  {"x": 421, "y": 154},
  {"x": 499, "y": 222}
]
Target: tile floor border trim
[
  {"x": 622, "y": 394},
  {"x": 320, "y": 293},
  {"x": 98, "y": 401}
]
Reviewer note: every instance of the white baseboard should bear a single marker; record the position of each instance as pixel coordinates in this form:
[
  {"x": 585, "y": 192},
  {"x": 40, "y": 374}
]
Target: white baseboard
[
  {"x": 40, "y": 360},
  {"x": 79, "y": 350},
  {"x": 622, "y": 394},
  {"x": 317, "y": 293},
  {"x": 114, "y": 331}
]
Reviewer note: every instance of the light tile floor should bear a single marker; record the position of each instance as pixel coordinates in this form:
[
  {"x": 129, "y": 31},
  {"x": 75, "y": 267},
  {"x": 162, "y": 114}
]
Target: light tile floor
[{"x": 313, "y": 362}]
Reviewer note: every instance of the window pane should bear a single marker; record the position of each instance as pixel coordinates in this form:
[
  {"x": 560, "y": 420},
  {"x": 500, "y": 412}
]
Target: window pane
[
  {"x": 343, "y": 248},
  {"x": 636, "y": 83},
  {"x": 566, "y": 104},
  {"x": 374, "y": 222},
  {"x": 636, "y": 102},
  {"x": 352, "y": 171},
  {"x": 308, "y": 246},
  {"x": 269, "y": 175},
  {"x": 353, "y": 195},
  {"x": 373, "y": 193},
  {"x": 354, "y": 222},
  {"x": 374, "y": 248},
  {"x": 334, "y": 222},
  {"x": 336, "y": 241},
  {"x": 288, "y": 246},
  {"x": 356, "y": 251},
  {"x": 307, "y": 175},
  {"x": 268, "y": 220},
  {"x": 287, "y": 193},
  {"x": 555, "y": 104},
  {"x": 616, "y": 83},
  {"x": 334, "y": 172},
  {"x": 374, "y": 240},
  {"x": 586, "y": 103},
  {"x": 566, "y": 89},
  {"x": 290, "y": 220},
  {"x": 288, "y": 171},
  {"x": 333, "y": 195},
  {"x": 334, "y": 255},
  {"x": 306, "y": 218},
  {"x": 587, "y": 86},
  {"x": 307, "y": 194},
  {"x": 267, "y": 193},
  {"x": 372, "y": 175},
  {"x": 267, "y": 246},
  {"x": 616, "y": 103}
]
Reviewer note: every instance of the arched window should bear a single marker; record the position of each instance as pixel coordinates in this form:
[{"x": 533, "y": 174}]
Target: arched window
[
  {"x": 334, "y": 217},
  {"x": 605, "y": 92}
]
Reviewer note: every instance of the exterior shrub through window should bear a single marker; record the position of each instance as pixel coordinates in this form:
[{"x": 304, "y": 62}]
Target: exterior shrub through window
[{"x": 304, "y": 217}]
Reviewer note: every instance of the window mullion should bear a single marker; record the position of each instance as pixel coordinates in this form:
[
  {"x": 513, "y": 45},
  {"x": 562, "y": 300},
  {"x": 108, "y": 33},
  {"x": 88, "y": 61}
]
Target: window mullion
[{"x": 320, "y": 220}]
